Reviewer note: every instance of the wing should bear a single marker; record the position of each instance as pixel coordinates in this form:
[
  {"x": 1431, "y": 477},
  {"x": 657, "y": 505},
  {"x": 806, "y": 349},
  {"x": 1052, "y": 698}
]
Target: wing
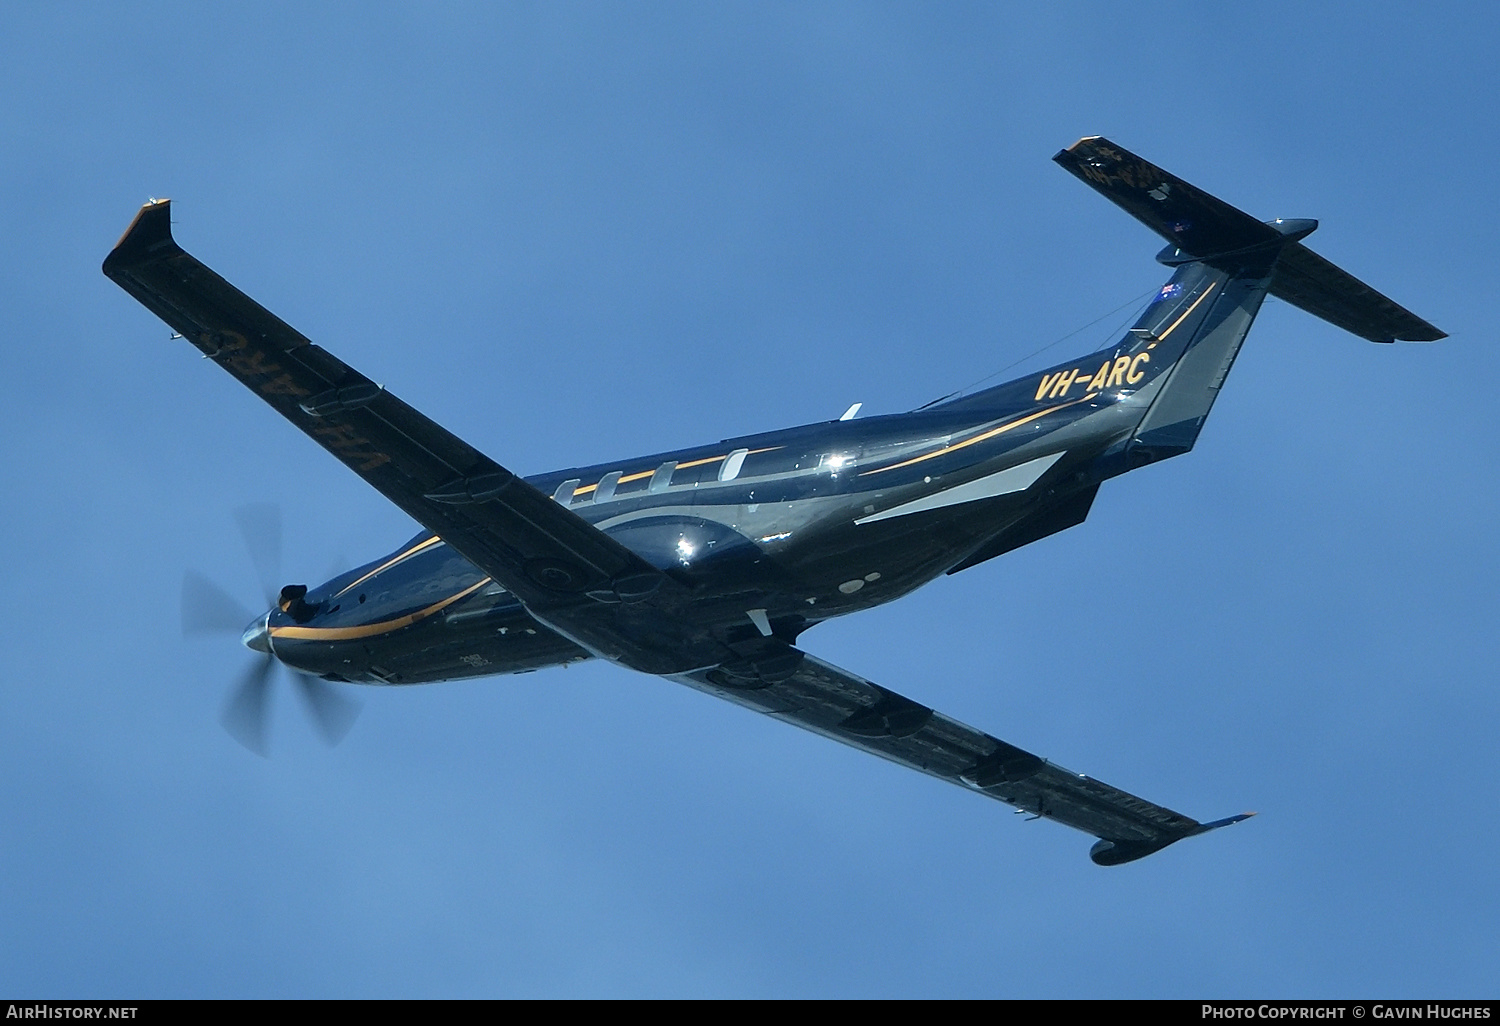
[
  {"x": 569, "y": 574},
  {"x": 790, "y": 685}
]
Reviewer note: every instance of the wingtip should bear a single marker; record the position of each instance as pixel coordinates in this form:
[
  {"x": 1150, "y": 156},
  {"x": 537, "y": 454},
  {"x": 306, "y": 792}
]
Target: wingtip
[
  {"x": 149, "y": 233},
  {"x": 1070, "y": 152},
  {"x": 1430, "y": 335},
  {"x": 1226, "y": 821}
]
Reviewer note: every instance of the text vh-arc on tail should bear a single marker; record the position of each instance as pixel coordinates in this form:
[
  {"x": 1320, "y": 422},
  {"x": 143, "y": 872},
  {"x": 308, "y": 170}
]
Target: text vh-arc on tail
[{"x": 706, "y": 564}]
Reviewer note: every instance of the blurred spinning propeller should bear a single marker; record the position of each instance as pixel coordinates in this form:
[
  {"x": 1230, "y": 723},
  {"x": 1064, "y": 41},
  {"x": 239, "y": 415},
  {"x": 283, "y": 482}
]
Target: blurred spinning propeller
[{"x": 209, "y": 609}]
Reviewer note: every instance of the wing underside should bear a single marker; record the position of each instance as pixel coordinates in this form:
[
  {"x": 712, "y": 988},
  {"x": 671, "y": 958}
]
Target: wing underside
[{"x": 818, "y": 696}]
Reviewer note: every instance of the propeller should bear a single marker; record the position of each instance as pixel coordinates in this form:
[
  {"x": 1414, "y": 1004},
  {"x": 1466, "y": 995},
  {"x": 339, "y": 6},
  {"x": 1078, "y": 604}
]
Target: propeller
[{"x": 209, "y": 609}]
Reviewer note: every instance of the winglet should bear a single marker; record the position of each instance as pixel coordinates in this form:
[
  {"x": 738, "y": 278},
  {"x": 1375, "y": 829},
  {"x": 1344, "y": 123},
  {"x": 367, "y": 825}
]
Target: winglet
[
  {"x": 1227, "y": 821},
  {"x": 147, "y": 236},
  {"x": 1108, "y": 852}
]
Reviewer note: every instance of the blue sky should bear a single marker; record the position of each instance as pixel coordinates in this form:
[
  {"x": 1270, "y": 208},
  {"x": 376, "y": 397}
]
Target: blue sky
[{"x": 573, "y": 233}]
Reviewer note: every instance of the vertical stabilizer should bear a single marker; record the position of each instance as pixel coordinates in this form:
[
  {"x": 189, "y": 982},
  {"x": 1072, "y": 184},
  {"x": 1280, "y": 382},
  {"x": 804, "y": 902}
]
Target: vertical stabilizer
[{"x": 1187, "y": 390}]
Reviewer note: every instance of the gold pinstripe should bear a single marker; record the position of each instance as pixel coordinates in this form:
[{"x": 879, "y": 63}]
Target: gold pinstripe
[
  {"x": 392, "y": 562},
  {"x": 1188, "y": 311},
  {"x": 982, "y": 436},
  {"x": 1030, "y": 417},
  {"x": 367, "y": 630},
  {"x": 586, "y": 489}
]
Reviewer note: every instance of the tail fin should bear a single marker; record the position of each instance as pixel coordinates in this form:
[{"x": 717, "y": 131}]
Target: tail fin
[
  {"x": 1200, "y": 227},
  {"x": 1192, "y": 333}
]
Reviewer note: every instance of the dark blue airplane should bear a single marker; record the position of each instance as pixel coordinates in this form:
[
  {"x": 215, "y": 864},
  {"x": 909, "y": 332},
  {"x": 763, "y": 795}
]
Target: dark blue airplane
[{"x": 705, "y": 565}]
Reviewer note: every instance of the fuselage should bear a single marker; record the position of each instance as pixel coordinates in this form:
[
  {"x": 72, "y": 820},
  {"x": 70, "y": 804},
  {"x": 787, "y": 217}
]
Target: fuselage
[{"x": 773, "y": 532}]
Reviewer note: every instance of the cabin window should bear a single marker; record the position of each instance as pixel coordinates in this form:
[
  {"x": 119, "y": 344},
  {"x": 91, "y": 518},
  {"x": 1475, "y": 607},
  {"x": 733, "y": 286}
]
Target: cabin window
[
  {"x": 732, "y": 464},
  {"x": 662, "y": 478},
  {"x": 607, "y": 485}
]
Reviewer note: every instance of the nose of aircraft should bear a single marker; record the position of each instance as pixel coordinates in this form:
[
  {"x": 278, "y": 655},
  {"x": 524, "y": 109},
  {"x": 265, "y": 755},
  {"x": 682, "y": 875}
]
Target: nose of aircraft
[{"x": 258, "y": 636}]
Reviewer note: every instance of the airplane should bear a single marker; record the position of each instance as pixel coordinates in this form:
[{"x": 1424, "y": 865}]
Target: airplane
[{"x": 706, "y": 565}]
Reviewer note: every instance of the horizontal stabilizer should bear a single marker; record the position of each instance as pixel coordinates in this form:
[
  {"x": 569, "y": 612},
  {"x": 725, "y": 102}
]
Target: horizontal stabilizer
[
  {"x": 1306, "y": 280},
  {"x": 1183, "y": 214},
  {"x": 1203, "y": 227}
]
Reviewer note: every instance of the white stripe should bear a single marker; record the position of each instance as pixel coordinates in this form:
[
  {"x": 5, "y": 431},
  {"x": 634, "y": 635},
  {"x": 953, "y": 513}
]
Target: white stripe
[{"x": 1014, "y": 479}]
